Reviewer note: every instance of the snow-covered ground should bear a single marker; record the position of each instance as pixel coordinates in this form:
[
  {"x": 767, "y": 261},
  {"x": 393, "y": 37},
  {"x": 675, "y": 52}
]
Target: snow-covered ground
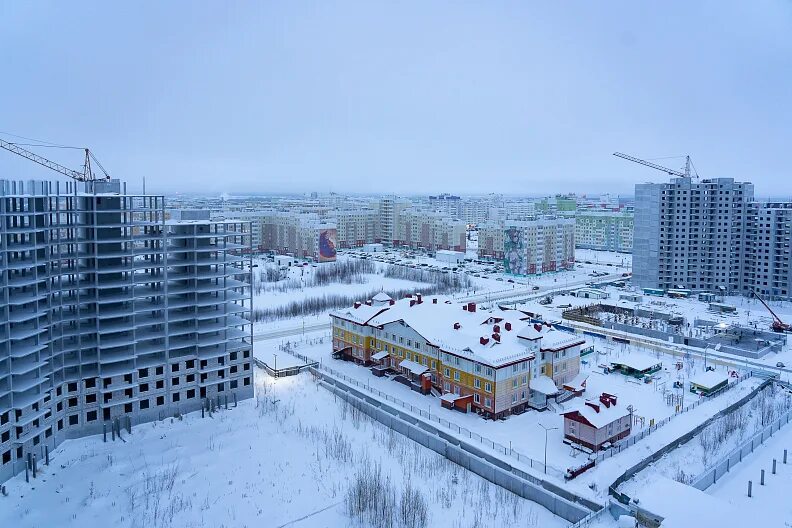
[
  {"x": 524, "y": 433},
  {"x": 290, "y": 457},
  {"x": 371, "y": 282},
  {"x": 705, "y": 450},
  {"x": 769, "y": 505}
]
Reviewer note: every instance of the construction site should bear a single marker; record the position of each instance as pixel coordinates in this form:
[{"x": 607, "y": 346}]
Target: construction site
[{"x": 729, "y": 337}]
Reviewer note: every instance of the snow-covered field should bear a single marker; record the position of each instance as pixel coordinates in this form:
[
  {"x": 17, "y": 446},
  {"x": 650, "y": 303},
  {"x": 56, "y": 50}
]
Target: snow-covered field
[
  {"x": 701, "y": 453},
  {"x": 524, "y": 433},
  {"x": 291, "y": 457},
  {"x": 769, "y": 505}
]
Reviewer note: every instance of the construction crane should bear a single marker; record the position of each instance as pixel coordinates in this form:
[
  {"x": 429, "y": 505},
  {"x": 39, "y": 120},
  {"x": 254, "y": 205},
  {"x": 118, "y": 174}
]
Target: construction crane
[
  {"x": 87, "y": 173},
  {"x": 778, "y": 325},
  {"x": 670, "y": 172}
]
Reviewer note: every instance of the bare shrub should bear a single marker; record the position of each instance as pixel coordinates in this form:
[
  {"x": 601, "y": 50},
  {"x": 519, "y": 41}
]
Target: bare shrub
[
  {"x": 371, "y": 497},
  {"x": 413, "y": 510}
]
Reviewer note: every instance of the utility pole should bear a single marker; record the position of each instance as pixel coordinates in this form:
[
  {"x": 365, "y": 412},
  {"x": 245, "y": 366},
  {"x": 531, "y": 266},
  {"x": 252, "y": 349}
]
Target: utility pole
[{"x": 546, "y": 429}]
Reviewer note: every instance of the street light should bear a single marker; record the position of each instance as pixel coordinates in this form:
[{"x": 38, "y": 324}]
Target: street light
[{"x": 546, "y": 429}]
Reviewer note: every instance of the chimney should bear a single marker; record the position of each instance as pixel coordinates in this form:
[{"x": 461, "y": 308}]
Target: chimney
[
  {"x": 604, "y": 400},
  {"x": 593, "y": 405},
  {"x": 538, "y": 327},
  {"x": 368, "y": 303},
  {"x": 496, "y": 329},
  {"x": 609, "y": 397},
  {"x": 471, "y": 307},
  {"x": 357, "y": 305},
  {"x": 507, "y": 326},
  {"x": 419, "y": 299},
  {"x": 464, "y": 307},
  {"x": 496, "y": 337},
  {"x": 434, "y": 301},
  {"x": 412, "y": 303},
  {"x": 457, "y": 326},
  {"x": 483, "y": 340},
  {"x": 392, "y": 302}
]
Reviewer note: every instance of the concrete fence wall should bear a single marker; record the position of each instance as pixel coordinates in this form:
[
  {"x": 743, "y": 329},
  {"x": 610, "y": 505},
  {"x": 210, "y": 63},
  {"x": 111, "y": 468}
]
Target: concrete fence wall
[
  {"x": 723, "y": 466},
  {"x": 657, "y": 455},
  {"x": 558, "y": 500}
]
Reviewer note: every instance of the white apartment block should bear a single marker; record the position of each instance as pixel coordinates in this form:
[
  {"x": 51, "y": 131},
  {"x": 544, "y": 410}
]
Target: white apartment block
[
  {"x": 430, "y": 231},
  {"x": 290, "y": 233},
  {"x": 355, "y": 227},
  {"x": 606, "y": 230},
  {"x": 530, "y": 246},
  {"x": 538, "y": 246},
  {"x": 110, "y": 312}
]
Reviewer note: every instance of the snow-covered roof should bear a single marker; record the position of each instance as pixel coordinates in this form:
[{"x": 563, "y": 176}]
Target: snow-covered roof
[
  {"x": 451, "y": 397},
  {"x": 552, "y": 339},
  {"x": 544, "y": 384},
  {"x": 361, "y": 315},
  {"x": 435, "y": 322},
  {"x": 578, "y": 383},
  {"x": 413, "y": 366},
  {"x": 494, "y": 337},
  {"x": 605, "y": 416},
  {"x": 381, "y": 297},
  {"x": 558, "y": 340},
  {"x": 635, "y": 361},
  {"x": 709, "y": 379},
  {"x": 379, "y": 355}
]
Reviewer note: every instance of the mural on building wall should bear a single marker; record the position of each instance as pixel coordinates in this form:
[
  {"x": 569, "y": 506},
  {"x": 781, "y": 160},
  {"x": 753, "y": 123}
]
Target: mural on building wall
[
  {"x": 514, "y": 253},
  {"x": 327, "y": 245}
]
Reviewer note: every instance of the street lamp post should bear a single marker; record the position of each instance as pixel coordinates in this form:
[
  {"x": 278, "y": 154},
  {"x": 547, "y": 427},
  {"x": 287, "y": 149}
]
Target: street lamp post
[{"x": 546, "y": 430}]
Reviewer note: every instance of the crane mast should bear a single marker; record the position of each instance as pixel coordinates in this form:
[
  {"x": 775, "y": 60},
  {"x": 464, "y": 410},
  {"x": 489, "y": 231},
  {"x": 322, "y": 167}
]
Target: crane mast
[{"x": 84, "y": 176}]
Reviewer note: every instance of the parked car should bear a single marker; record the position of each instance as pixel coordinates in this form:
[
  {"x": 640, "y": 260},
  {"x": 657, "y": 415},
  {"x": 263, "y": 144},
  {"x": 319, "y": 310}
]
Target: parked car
[{"x": 780, "y": 365}]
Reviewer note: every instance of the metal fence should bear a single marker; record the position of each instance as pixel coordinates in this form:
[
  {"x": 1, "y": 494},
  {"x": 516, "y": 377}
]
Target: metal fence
[
  {"x": 723, "y": 466},
  {"x": 632, "y": 439},
  {"x": 427, "y": 414}
]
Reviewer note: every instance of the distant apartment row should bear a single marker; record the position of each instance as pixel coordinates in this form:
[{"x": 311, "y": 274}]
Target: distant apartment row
[
  {"x": 311, "y": 228},
  {"x": 111, "y": 310}
]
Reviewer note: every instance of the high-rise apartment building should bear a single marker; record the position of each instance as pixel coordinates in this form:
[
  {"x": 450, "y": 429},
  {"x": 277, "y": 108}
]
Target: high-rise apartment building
[
  {"x": 111, "y": 310},
  {"x": 767, "y": 248},
  {"x": 691, "y": 234},
  {"x": 604, "y": 229},
  {"x": 431, "y": 231},
  {"x": 531, "y": 246}
]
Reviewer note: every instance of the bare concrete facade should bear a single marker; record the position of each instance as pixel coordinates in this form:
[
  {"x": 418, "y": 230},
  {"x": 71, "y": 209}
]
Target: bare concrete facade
[{"x": 110, "y": 310}]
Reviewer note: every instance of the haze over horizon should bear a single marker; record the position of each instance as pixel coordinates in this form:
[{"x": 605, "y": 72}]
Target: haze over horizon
[{"x": 419, "y": 97}]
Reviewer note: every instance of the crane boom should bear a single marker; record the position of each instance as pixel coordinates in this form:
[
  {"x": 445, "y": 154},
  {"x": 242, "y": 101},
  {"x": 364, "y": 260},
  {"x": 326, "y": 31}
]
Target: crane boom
[
  {"x": 670, "y": 172},
  {"x": 86, "y": 175},
  {"x": 778, "y": 324}
]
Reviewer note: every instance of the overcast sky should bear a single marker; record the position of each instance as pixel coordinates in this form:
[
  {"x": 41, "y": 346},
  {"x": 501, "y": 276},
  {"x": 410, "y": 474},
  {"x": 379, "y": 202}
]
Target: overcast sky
[{"x": 406, "y": 97}]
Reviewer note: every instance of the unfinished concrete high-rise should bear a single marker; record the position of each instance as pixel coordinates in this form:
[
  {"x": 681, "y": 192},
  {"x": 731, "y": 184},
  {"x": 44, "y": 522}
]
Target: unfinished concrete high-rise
[
  {"x": 691, "y": 234},
  {"x": 111, "y": 309},
  {"x": 768, "y": 266}
]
